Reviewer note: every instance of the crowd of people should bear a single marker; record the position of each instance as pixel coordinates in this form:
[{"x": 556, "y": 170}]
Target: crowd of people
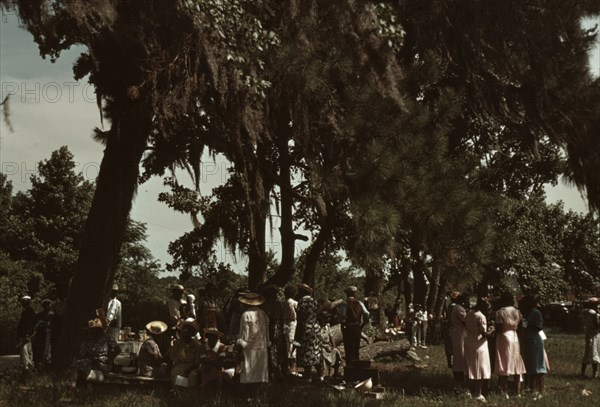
[
  {"x": 254, "y": 338},
  {"x": 495, "y": 337},
  {"x": 251, "y": 338}
]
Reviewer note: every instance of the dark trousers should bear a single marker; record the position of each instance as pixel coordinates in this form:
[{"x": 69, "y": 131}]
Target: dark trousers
[{"x": 351, "y": 336}]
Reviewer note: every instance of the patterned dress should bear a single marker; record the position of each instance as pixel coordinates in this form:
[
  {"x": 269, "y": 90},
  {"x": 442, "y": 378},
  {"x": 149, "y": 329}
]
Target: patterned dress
[
  {"x": 96, "y": 353},
  {"x": 508, "y": 350},
  {"x": 308, "y": 333},
  {"x": 591, "y": 320},
  {"x": 477, "y": 355}
]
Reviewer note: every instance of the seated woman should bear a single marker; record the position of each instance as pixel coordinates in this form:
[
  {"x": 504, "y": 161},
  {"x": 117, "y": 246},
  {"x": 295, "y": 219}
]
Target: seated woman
[
  {"x": 330, "y": 354},
  {"x": 97, "y": 352},
  {"x": 150, "y": 359},
  {"x": 185, "y": 353},
  {"x": 211, "y": 360}
]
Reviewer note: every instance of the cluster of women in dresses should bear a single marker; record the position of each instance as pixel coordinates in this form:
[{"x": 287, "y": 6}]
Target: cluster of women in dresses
[{"x": 506, "y": 341}]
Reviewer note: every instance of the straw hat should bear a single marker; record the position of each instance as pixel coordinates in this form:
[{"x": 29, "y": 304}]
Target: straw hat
[
  {"x": 177, "y": 287},
  {"x": 156, "y": 327},
  {"x": 25, "y": 298},
  {"x": 95, "y": 323},
  {"x": 351, "y": 289},
  {"x": 115, "y": 287},
  {"x": 212, "y": 330},
  {"x": 46, "y": 301},
  {"x": 593, "y": 300},
  {"x": 305, "y": 288},
  {"x": 251, "y": 299}
]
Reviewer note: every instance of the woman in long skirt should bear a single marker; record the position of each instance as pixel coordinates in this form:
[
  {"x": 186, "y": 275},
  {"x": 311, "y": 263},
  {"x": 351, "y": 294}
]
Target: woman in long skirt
[
  {"x": 477, "y": 356},
  {"x": 534, "y": 354},
  {"x": 308, "y": 332},
  {"x": 509, "y": 362}
]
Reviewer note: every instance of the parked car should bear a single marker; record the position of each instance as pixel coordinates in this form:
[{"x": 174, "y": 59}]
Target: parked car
[{"x": 565, "y": 315}]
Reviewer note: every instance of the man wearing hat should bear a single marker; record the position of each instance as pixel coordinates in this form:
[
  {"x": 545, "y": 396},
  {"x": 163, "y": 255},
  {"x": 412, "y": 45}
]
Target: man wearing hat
[
  {"x": 114, "y": 313},
  {"x": 150, "y": 359},
  {"x": 356, "y": 317},
  {"x": 25, "y": 331}
]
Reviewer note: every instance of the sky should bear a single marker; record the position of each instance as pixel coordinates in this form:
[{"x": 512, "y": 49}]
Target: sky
[{"x": 50, "y": 109}]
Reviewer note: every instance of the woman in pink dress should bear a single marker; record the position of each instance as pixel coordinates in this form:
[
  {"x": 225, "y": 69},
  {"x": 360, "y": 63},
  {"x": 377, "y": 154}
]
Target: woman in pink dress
[
  {"x": 477, "y": 355},
  {"x": 508, "y": 351},
  {"x": 457, "y": 337}
]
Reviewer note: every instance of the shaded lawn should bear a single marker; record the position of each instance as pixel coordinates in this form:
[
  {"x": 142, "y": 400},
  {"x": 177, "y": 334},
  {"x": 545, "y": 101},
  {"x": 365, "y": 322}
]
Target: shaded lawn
[{"x": 405, "y": 385}]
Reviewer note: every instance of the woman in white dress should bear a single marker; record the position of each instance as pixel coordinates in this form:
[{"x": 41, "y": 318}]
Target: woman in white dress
[
  {"x": 254, "y": 341},
  {"x": 477, "y": 355}
]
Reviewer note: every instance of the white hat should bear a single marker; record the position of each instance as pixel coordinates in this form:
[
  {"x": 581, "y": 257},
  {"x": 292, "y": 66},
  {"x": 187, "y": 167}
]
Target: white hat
[{"x": 25, "y": 298}]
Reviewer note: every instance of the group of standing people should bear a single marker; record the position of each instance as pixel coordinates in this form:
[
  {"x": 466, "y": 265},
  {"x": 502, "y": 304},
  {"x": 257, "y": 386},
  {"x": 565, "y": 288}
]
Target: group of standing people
[
  {"x": 505, "y": 340},
  {"x": 37, "y": 332}
]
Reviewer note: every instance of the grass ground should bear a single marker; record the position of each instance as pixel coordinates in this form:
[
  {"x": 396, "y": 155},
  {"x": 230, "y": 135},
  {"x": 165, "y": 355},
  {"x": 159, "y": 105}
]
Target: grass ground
[{"x": 405, "y": 385}]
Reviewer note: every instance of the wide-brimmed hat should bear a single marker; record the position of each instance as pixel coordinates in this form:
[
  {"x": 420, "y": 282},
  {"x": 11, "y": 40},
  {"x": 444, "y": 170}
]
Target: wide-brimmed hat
[
  {"x": 305, "y": 288},
  {"x": 251, "y": 299},
  {"x": 115, "y": 287},
  {"x": 95, "y": 323},
  {"x": 177, "y": 287},
  {"x": 46, "y": 301},
  {"x": 351, "y": 289},
  {"x": 213, "y": 331},
  {"x": 156, "y": 327},
  {"x": 25, "y": 298},
  {"x": 593, "y": 301},
  {"x": 191, "y": 324}
]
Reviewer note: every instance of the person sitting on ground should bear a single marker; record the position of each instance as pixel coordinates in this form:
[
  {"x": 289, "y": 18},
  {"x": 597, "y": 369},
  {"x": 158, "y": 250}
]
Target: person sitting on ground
[
  {"x": 212, "y": 354},
  {"x": 96, "y": 352},
  {"x": 150, "y": 359},
  {"x": 331, "y": 356},
  {"x": 185, "y": 353}
]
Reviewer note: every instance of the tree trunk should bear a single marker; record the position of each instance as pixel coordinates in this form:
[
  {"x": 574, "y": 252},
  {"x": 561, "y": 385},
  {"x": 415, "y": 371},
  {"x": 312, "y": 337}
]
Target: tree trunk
[
  {"x": 105, "y": 226},
  {"x": 288, "y": 237},
  {"x": 434, "y": 286},
  {"x": 441, "y": 298}
]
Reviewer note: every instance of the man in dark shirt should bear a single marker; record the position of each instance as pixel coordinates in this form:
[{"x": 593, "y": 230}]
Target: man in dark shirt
[
  {"x": 356, "y": 317},
  {"x": 25, "y": 330}
]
